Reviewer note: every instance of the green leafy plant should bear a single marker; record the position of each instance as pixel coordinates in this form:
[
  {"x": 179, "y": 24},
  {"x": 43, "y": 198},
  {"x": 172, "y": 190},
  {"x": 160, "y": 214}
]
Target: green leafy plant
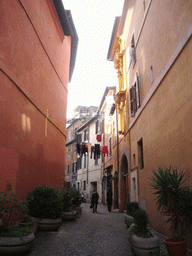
[
  {"x": 174, "y": 199},
  {"x": 10, "y": 206},
  {"x": 70, "y": 198},
  {"x": 75, "y": 196},
  {"x": 45, "y": 202},
  {"x": 131, "y": 208},
  {"x": 140, "y": 225}
]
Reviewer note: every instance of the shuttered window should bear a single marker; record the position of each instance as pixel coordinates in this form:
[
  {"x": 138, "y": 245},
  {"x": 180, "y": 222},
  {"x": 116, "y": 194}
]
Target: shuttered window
[{"x": 135, "y": 98}]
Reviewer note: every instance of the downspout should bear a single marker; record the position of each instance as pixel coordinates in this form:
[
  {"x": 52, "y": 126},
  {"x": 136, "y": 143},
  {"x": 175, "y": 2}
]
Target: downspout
[{"x": 117, "y": 125}]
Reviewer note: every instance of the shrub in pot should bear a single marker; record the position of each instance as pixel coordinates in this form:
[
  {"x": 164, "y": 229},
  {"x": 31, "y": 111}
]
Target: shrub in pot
[
  {"x": 129, "y": 216},
  {"x": 142, "y": 241},
  {"x": 13, "y": 239},
  {"x": 174, "y": 200},
  {"x": 76, "y": 199},
  {"x": 45, "y": 203},
  {"x": 67, "y": 206}
]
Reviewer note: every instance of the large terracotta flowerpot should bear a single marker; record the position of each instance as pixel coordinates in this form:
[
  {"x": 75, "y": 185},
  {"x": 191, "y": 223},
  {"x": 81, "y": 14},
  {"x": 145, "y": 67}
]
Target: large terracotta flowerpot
[
  {"x": 144, "y": 246},
  {"x": 49, "y": 224},
  {"x": 176, "y": 248},
  {"x": 69, "y": 215},
  {"x": 12, "y": 245},
  {"x": 128, "y": 220}
]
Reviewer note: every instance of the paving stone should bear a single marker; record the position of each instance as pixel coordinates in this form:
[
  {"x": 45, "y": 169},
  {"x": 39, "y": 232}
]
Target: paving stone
[{"x": 93, "y": 234}]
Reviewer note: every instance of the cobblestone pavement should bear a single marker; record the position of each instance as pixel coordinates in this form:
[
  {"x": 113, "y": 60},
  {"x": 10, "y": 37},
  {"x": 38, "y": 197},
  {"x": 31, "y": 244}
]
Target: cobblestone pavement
[
  {"x": 94, "y": 234},
  {"x": 91, "y": 234}
]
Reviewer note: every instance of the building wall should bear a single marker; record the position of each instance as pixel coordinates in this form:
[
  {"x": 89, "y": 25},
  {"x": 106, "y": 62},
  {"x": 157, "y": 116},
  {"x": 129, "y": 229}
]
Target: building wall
[
  {"x": 34, "y": 70},
  {"x": 162, "y": 37},
  {"x": 163, "y": 41}
]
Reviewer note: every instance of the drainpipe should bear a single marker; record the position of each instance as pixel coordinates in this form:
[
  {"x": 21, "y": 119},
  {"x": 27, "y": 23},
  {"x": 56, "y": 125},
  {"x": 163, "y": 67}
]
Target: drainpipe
[{"x": 117, "y": 125}]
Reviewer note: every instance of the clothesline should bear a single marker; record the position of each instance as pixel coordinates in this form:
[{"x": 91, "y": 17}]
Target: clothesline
[{"x": 95, "y": 150}]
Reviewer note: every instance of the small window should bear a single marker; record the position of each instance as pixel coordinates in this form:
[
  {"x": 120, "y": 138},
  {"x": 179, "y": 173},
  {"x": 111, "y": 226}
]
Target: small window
[
  {"x": 132, "y": 51},
  {"x": 69, "y": 150},
  {"x": 74, "y": 167},
  {"x": 97, "y": 127},
  {"x": 69, "y": 136},
  {"x": 140, "y": 154},
  {"x": 68, "y": 168},
  {"x": 86, "y": 134}
]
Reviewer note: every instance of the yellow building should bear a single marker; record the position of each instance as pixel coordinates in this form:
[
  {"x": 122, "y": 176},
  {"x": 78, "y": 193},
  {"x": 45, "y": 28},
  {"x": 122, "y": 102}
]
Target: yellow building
[{"x": 151, "y": 48}]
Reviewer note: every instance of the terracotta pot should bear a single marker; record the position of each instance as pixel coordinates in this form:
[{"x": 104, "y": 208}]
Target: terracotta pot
[
  {"x": 69, "y": 215},
  {"x": 49, "y": 224},
  {"x": 12, "y": 245},
  {"x": 144, "y": 246},
  {"x": 128, "y": 220},
  {"x": 176, "y": 248}
]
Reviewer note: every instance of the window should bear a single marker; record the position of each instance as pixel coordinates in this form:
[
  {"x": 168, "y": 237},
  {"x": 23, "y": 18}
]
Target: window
[
  {"x": 78, "y": 187},
  {"x": 86, "y": 134},
  {"x": 140, "y": 154},
  {"x": 79, "y": 138},
  {"x": 134, "y": 93},
  {"x": 110, "y": 147},
  {"x": 68, "y": 168},
  {"x": 79, "y": 163},
  {"x": 74, "y": 167},
  {"x": 69, "y": 150},
  {"x": 69, "y": 136},
  {"x": 84, "y": 185},
  {"x": 97, "y": 127},
  {"x": 75, "y": 133},
  {"x": 132, "y": 51}
]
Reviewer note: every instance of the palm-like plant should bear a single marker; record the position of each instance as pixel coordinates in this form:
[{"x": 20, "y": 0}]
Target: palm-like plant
[{"x": 173, "y": 199}]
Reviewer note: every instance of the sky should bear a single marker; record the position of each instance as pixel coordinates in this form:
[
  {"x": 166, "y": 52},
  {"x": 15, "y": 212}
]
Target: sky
[{"x": 94, "y": 20}]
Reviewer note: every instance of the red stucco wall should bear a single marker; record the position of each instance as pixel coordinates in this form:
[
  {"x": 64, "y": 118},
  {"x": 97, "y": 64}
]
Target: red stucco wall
[{"x": 34, "y": 72}]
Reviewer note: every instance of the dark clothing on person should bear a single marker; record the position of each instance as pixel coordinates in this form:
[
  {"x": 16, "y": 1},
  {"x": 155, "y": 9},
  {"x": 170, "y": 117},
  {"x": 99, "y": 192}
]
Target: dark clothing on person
[
  {"x": 109, "y": 199},
  {"x": 94, "y": 200}
]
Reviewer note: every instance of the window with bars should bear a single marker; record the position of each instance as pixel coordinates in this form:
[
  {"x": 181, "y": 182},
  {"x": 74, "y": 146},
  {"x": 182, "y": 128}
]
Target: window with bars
[{"x": 135, "y": 100}]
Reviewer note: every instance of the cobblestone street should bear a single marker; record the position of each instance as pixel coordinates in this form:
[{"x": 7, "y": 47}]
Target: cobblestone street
[
  {"x": 94, "y": 234},
  {"x": 91, "y": 234}
]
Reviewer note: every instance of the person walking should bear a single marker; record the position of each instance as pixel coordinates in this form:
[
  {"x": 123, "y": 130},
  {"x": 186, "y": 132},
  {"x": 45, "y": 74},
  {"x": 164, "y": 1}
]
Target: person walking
[
  {"x": 94, "y": 200},
  {"x": 109, "y": 199}
]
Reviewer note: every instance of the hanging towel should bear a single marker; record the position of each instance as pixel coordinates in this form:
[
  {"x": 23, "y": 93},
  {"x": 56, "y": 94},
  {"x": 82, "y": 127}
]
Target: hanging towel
[
  {"x": 105, "y": 150},
  {"x": 98, "y": 137}
]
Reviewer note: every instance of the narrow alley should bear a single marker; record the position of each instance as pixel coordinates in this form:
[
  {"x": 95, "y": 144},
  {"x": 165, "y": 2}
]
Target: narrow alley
[
  {"x": 94, "y": 234},
  {"x": 91, "y": 234}
]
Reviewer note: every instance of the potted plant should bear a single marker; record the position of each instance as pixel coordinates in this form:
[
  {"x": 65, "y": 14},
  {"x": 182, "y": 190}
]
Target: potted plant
[
  {"x": 174, "y": 200},
  {"x": 76, "y": 200},
  {"x": 45, "y": 203},
  {"x": 142, "y": 241},
  {"x": 129, "y": 216},
  {"x": 67, "y": 206},
  {"x": 13, "y": 239}
]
